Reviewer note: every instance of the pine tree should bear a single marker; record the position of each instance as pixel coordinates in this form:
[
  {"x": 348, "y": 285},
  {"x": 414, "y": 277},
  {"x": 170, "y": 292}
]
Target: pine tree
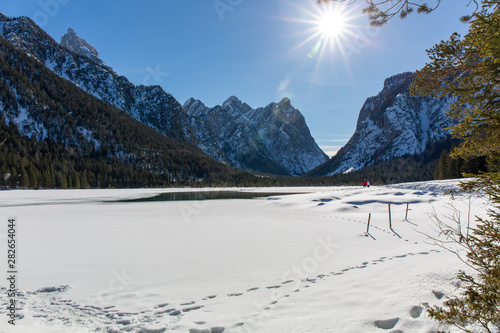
[
  {"x": 478, "y": 308},
  {"x": 25, "y": 182},
  {"x": 381, "y": 11},
  {"x": 442, "y": 166},
  {"x": 469, "y": 70}
]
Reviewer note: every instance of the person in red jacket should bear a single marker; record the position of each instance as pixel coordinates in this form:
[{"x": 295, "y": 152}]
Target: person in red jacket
[{"x": 365, "y": 182}]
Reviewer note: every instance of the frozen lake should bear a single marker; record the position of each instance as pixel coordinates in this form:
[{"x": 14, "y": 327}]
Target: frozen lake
[{"x": 285, "y": 263}]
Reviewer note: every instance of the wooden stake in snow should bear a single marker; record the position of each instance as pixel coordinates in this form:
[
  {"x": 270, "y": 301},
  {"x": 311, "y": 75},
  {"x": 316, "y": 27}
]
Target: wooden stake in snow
[
  {"x": 406, "y": 216},
  {"x": 390, "y": 220},
  {"x": 368, "y": 225}
]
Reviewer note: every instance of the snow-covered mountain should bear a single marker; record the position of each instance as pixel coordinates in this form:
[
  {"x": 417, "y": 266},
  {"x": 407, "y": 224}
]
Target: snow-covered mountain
[
  {"x": 390, "y": 125},
  {"x": 75, "y": 60},
  {"x": 274, "y": 138}
]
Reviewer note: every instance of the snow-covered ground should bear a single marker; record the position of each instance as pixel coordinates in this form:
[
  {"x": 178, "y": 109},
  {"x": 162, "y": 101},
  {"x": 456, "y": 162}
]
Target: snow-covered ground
[{"x": 291, "y": 263}]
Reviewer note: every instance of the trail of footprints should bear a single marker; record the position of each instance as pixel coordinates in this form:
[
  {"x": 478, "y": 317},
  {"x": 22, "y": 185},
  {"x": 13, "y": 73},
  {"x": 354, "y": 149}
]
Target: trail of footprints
[
  {"x": 389, "y": 232},
  {"x": 49, "y": 306}
]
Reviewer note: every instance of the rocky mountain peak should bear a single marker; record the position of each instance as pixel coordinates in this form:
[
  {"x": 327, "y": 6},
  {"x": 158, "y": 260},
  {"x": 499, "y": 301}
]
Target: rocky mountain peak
[
  {"x": 285, "y": 105},
  {"x": 266, "y": 139},
  {"x": 285, "y": 102},
  {"x": 286, "y": 112},
  {"x": 232, "y": 99},
  {"x": 193, "y": 104},
  {"x": 398, "y": 79},
  {"x": 72, "y": 42},
  {"x": 235, "y": 106}
]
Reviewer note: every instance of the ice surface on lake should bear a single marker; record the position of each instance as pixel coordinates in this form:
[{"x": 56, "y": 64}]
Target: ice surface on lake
[{"x": 291, "y": 263}]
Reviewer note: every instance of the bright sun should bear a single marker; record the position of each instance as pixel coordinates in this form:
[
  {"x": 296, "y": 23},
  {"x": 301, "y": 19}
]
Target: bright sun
[
  {"x": 331, "y": 24},
  {"x": 331, "y": 27}
]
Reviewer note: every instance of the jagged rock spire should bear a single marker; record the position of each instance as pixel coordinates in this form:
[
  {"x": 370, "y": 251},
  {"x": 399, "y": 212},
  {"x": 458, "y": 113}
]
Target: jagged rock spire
[{"x": 72, "y": 42}]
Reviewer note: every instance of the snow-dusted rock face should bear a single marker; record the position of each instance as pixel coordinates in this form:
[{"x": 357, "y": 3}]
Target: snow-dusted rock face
[
  {"x": 76, "y": 62},
  {"x": 392, "y": 124},
  {"x": 78, "y": 45},
  {"x": 271, "y": 139}
]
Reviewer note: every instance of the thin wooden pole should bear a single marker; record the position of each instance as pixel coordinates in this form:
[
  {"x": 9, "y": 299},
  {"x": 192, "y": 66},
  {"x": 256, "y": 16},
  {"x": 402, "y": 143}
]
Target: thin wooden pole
[
  {"x": 368, "y": 225},
  {"x": 390, "y": 219},
  {"x": 407, "y": 206}
]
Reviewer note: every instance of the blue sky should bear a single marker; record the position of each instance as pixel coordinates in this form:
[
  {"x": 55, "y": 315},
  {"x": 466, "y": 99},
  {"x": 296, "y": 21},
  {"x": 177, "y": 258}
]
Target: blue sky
[{"x": 257, "y": 50}]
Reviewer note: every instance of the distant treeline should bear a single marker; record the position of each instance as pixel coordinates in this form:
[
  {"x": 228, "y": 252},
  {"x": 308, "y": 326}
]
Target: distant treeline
[{"x": 28, "y": 163}]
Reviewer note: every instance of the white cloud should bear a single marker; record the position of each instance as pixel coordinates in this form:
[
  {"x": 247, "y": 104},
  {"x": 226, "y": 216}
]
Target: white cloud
[
  {"x": 284, "y": 84},
  {"x": 284, "y": 89},
  {"x": 344, "y": 141}
]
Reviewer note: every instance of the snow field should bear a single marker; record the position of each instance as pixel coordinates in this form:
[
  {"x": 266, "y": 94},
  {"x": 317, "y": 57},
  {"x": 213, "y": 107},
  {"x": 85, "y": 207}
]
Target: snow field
[{"x": 295, "y": 263}]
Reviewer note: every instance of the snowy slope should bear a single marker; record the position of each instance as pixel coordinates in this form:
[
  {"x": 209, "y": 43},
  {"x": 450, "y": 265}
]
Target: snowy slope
[
  {"x": 148, "y": 104},
  {"x": 296, "y": 263}
]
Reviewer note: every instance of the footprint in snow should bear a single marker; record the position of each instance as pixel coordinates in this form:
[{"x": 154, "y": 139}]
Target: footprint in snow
[
  {"x": 208, "y": 330},
  {"x": 164, "y": 311},
  {"x": 438, "y": 294},
  {"x": 150, "y": 330},
  {"x": 416, "y": 311},
  {"x": 386, "y": 324},
  {"x": 175, "y": 313},
  {"x": 193, "y": 308}
]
